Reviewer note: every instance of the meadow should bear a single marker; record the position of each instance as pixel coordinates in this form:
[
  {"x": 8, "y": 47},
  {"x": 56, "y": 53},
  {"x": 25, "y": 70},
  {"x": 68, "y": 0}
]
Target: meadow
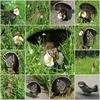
[
  {"x": 7, "y": 41},
  {"x": 10, "y": 4},
  {"x": 37, "y": 12},
  {"x": 34, "y": 62},
  {"x": 84, "y": 65},
  {"x": 17, "y": 85}
]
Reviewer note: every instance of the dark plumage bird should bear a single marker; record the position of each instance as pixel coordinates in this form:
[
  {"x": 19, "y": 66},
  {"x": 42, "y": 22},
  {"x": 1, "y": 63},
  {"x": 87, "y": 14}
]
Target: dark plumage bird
[
  {"x": 87, "y": 38},
  {"x": 64, "y": 11},
  {"x": 86, "y": 89},
  {"x": 12, "y": 62},
  {"x": 87, "y": 10},
  {"x": 60, "y": 86},
  {"x": 8, "y": 16},
  {"x": 34, "y": 88}
]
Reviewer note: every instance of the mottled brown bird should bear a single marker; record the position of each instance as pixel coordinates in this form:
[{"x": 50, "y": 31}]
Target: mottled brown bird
[
  {"x": 87, "y": 38},
  {"x": 34, "y": 88},
  {"x": 60, "y": 86},
  {"x": 9, "y": 88},
  {"x": 12, "y": 62}
]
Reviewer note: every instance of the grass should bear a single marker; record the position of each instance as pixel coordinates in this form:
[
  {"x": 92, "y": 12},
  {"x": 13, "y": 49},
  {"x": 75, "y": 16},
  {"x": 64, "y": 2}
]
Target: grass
[
  {"x": 77, "y": 40},
  {"x": 34, "y": 61},
  {"x": 17, "y": 84},
  {"x": 94, "y": 18},
  {"x": 10, "y": 4},
  {"x": 21, "y": 58},
  {"x": 7, "y": 41},
  {"x": 43, "y": 80},
  {"x": 37, "y": 12},
  {"x": 84, "y": 65}
]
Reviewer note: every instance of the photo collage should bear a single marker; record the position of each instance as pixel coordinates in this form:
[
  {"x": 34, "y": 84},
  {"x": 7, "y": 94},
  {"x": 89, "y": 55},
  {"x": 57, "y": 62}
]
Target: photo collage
[{"x": 49, "y": 49}]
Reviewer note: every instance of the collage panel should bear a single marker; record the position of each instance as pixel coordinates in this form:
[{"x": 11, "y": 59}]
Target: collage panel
[
  {"x": 12, "y": 86},
  {"x": 12, "y": 62},
  {"x": 87, "y": 62},
  {"x": 37, "y": 87},
  {"x": 87, "y": 12},
  {"x": 62, "y": 12},
  {"x": 49, "y": 49},
  {"x": 13, "y": 12},
  {"x": 37, "y": 12},
  {"x": 12, "y": 37},
  {"x": 87, "y": 87},
  {"x": 62, "y": 87},
  {"x": 87, "y": 37}
]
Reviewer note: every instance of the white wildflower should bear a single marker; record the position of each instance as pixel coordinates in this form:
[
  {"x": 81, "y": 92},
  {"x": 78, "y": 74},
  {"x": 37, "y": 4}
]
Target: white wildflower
[
  {"x": 31, "y": 51},
  {"x": 18, "y": 40},
  {"x": 61, "y": 58},
  {"x": 81, "y": 33},
  {"x": 84, "y": 14},
  {"x": 59, "y": 16},
  {"x": 48, "y": 60},
  {"x": 41, "y": 16},
  {"x": 16, "y": 11}
]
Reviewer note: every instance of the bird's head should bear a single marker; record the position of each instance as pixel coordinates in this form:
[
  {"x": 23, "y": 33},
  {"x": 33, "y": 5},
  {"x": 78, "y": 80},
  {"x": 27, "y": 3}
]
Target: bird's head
[{"x": 81, "y": 84}]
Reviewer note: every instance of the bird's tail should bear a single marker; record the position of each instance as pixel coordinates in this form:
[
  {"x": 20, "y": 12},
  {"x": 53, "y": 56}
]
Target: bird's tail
[{"x": 95, "y": 89}]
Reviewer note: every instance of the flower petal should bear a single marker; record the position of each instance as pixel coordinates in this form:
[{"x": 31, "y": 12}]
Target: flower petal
[{"x": 48, "y": 60}]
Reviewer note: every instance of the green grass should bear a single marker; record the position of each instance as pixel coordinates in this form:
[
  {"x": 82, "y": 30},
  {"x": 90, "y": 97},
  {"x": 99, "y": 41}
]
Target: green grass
[
  {"x": 10, "y": 4},
  {"x": 43, "y": 80},
  {"x": 7, "y": 41},
  {"x": 84, "y": 65},
  {"x": 17, "y": 84},
  {"x": 34, "y": 11},
  {"x": 35, "y": 63},
  {"x": 94, "y": 18},
  {"x": 21, "y": 58},
  {"x": 77, "y": 40}
]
